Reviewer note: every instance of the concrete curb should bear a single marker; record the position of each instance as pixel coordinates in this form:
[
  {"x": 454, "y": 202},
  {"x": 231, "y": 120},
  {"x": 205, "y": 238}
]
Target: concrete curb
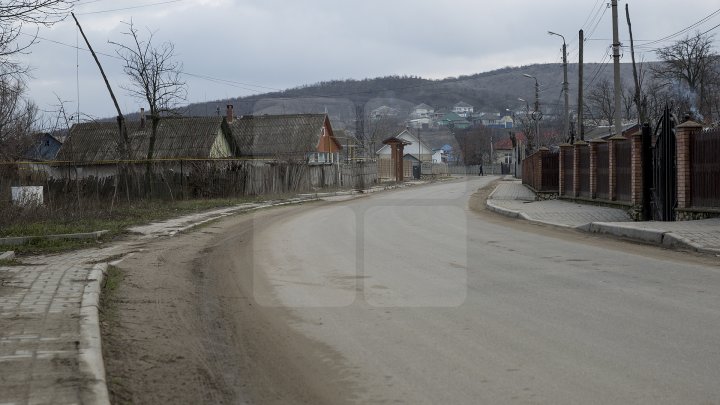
[
  {"x": 505, "y": 211},
  {"x": 658, "y": 237},
  {"x": 672, "y": 240},
  {"x": 7, "y": 255},
  {"x": 90, "y": 351},
  {"x": 521, "y": 215},
  {"x": 654, "y": 236},
  {"x": 20, "y": 240}
]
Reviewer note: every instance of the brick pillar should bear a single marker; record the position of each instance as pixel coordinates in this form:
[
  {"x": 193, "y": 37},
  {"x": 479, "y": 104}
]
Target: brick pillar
[
  {"x": 565, "y": 149},
  {"x": 576, "y": 167},
  {"x": 593, "y": 167},
  {"x": 684, "y": 134},
  {"x": 636, "y": 173},
  {"x": 612, "y": 165}
]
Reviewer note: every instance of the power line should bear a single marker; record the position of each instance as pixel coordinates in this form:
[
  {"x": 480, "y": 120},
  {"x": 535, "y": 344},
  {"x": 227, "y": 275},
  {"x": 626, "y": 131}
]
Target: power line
[
  {"x": 130, "y": 8},
  {"x": 686, "y": 29},
  {"x": 597, "y": 24},
  {"x": 200, "y": 76},
  {"x": 590, "y": 14}
]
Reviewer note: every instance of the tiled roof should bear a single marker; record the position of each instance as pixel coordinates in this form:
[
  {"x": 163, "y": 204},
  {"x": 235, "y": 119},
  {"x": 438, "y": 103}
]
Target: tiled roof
[
  {"x": 506, "y": 143},
  {"x": 176, "y": 138}
]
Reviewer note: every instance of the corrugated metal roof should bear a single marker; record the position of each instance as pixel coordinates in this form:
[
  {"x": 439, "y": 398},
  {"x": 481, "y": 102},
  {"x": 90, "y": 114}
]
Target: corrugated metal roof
[
  {"x": 176, "y": 138},
  {"x": 289, "y": 136}
]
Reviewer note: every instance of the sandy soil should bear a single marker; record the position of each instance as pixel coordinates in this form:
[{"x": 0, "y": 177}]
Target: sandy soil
[{"x": 183, "y": 325}]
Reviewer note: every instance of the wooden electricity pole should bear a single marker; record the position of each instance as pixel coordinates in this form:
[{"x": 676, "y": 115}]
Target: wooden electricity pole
[
  {"x": 120, "y": 117},
  {"x": 638, "y": 101}
]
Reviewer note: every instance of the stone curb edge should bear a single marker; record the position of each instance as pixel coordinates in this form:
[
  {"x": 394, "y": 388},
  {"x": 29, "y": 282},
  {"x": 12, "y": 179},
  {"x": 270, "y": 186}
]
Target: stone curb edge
[
  {"x": 19, "y": 240},
  {"x": 90, "y": 351},
  {"x": 667, "y": 239},
  {"x": 653, "y": 236}
]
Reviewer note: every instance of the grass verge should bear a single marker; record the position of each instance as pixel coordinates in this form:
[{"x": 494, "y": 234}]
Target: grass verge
[
  {"x": 47, "y": 221},
  {"x": 109, "y": 322}
]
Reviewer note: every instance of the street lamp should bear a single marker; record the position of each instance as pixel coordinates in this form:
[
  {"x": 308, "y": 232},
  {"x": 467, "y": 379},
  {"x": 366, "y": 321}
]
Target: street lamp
[
  {"x": 536, "y": 115},
  {"x": 565, "y": 86}
]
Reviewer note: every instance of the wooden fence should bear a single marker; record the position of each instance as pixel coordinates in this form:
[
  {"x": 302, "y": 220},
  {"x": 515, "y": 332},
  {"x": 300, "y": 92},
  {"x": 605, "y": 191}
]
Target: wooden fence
[{"x": 189, "y": 179}]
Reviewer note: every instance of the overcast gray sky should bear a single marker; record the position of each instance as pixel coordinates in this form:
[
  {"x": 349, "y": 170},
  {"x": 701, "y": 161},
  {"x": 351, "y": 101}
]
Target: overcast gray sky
[{"x": 233, "y": 48}]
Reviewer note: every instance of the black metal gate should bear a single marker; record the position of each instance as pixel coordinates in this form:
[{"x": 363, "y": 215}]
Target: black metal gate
[{"x": 663, "y": 192}]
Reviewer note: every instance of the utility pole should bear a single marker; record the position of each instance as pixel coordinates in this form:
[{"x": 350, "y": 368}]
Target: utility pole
[
  {"x": 581, "y": 107},
  {"x": 536, "y": 115},
  {"x": 565, "y": 87},
  {"x": 616, "y": 65},
  {"x": 637, "y": 97},
  {"x": 120, "y": 117}
]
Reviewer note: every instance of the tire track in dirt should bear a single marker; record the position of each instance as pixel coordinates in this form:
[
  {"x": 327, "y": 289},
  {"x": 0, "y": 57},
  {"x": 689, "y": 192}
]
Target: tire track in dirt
[{"x": 187, "y": 328}]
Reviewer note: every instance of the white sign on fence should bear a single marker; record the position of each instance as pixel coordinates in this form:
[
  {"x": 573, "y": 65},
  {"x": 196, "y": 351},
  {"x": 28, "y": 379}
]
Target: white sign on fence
[{"x": 27, "y": 195}]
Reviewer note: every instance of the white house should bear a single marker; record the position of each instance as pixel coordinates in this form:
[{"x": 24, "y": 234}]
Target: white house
[
  {"x": 383, "y": 112},
  {"x": 463, "y": 109},
  {"x": 417, "y": 149},
  {"x": 439, "y": 156},
  {"x": 422, "y": 111},
  {"x": 421, "y": 123}
]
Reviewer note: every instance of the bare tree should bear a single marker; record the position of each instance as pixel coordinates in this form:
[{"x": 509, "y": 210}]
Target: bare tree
[
  {"x": 14, "y": 16},
  {"x": 155, "y": 77},
  {"x": 474, "y": 144},
  {"x": 687, "y": 66},
  {"x": 599, "y": 103},
  {"x": 17, "y": 117},
  {"x": 629, "y": 107},
  {"x": 379, "y": 129}
]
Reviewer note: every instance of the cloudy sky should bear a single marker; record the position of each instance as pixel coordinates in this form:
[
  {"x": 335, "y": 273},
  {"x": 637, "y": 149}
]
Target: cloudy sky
[{"x": 233, "y": 48}]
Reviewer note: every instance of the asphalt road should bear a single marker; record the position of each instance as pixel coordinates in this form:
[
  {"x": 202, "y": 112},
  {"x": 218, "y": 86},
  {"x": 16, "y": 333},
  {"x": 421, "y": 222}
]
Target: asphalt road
[{"x": 422, "y": 300}]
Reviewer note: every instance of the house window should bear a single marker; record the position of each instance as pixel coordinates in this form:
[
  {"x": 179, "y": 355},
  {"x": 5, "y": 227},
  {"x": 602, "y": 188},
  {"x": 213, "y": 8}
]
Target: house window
[{"x": 320, "y": 158}]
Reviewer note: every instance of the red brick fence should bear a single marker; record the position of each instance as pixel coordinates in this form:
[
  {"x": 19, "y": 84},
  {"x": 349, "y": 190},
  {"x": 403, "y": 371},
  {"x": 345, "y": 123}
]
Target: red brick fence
[
  {"x": 612, "y": 171},
  {"x": 540, "y": 171}
]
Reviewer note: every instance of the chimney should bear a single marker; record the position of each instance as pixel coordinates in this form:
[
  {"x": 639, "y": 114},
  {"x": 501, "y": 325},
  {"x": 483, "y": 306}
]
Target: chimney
[
  {"x": 229, "y": 113},
  {"x": 142, "y": 118}
]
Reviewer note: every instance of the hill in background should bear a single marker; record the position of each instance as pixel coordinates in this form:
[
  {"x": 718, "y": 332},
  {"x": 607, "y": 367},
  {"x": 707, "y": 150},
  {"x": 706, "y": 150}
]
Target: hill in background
[{"x": 494, "y": 91}]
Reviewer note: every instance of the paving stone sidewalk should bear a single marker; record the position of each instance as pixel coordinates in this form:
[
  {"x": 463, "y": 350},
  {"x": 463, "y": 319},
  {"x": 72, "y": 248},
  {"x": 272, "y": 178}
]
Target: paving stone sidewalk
[
  {"x": 46, "y": 348},
  {"x": 513, "y": 199}
]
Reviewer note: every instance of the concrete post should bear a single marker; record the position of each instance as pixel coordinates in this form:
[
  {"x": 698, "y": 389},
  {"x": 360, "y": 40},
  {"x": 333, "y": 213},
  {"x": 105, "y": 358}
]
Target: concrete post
[{"x": 684, "y": 134}]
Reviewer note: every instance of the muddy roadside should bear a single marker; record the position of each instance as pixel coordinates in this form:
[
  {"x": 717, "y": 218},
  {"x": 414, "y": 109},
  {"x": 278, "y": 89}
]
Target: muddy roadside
[{"x": 180, "y": 325}]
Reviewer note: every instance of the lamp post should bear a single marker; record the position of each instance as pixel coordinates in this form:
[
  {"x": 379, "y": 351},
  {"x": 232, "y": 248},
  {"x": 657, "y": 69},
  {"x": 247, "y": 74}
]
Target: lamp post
[
  {"x": 525, "y": 125},
  {"x": 565, "y": 87},
  {"x": 536, "y": 115}
]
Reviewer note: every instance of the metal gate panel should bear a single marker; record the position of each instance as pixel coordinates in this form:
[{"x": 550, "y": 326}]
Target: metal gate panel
[{"x": 663, "y": 198}]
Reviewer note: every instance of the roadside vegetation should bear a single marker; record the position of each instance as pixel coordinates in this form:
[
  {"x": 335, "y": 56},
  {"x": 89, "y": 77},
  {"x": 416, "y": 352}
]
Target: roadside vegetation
[{"x": 48, "y": 220}]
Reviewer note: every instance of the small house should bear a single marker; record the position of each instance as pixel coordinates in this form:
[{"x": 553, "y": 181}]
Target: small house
[
  {"x": 290, "y": 137},
  {"x": 95, "y": 148}
]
